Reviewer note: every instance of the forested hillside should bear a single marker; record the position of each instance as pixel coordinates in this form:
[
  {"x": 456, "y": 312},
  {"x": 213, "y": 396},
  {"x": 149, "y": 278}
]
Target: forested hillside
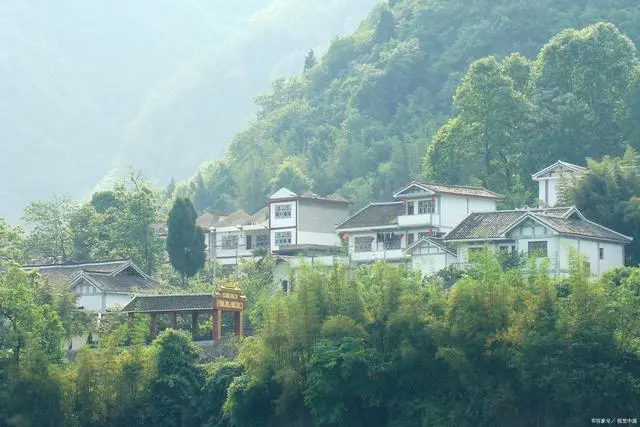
[
  {"x": 362, "y": 119},
  {"x": 88, "y": 89}
]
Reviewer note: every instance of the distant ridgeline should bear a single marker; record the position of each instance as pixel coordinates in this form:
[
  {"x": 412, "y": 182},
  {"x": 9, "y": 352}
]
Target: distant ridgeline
[{"x": 376, "y": 110}]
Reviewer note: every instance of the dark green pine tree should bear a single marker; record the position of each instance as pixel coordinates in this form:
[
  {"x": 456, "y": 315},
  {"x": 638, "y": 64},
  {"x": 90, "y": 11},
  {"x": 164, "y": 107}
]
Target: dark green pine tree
[
  {"x": 309, "y": 60},
  {"x": 386, "y": 28},
  {"x": 171, "y": 188},
  {"x": 185, "y": 241},
  {"x": 200, "y": 199}
]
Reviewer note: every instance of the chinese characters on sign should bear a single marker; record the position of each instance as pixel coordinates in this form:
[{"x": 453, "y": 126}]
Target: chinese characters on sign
[
  {"x": 235, "y": 305},
  {"x": 614, "y": 421}
]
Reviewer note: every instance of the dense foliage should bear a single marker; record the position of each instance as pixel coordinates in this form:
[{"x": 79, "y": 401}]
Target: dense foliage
[
  {"x": 368, "y": 347},
  {"x": 362, "y": 119},
  {"x": 610, "y": 195},
  {"x": 115, "y": 224}
]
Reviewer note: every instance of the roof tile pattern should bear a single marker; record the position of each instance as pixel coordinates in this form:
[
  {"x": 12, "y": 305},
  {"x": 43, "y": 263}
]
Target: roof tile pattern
[
  {"x": 162, "y": 303},
  {"x": 375, "y": 214},
  {"x": 492, "y": 225}
]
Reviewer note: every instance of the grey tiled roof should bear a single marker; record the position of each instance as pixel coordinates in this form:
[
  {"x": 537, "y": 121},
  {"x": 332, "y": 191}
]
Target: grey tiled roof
[
  {"x": 63, "y": 273},
  {"x": 484, "y": 225},
  {"x": 492, "y": 225},
  {"x": 575, "y": 226},
  {"x": 239, "y": 217},
  {"x": 102, "y": 274},
  {"x": 161, "y": 303},
  {"x": 460, "y": 190},
  {"x": 123, "y": 283},
  {"x": 375, "y": 214}
]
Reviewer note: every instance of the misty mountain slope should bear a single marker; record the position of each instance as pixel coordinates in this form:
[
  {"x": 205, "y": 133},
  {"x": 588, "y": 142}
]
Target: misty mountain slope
[
  {"x": 212, "y": 98},
  {"x": 79, "y": 80}
]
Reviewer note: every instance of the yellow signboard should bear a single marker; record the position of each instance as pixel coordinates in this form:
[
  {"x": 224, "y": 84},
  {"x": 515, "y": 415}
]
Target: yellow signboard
[
  {"x": 227, "y": 295},
  {"x": 234, "y": 305}
]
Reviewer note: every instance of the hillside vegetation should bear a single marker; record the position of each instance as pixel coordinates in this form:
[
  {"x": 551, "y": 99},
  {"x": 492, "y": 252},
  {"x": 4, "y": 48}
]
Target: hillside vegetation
[{"x": 362, "y": 120}]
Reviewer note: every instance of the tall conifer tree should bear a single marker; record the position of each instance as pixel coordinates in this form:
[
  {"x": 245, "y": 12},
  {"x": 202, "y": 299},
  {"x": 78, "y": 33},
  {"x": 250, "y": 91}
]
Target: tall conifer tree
[{"x": 185, "y": 241}]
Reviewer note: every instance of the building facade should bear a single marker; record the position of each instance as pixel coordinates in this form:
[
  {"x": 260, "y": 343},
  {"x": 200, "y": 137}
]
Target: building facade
[
  {"x": 552, "y": 180},
  {"x": 546, "y": 233},
  {"x": 384, "y": 231},
  {"x": 100, "y": 286}
]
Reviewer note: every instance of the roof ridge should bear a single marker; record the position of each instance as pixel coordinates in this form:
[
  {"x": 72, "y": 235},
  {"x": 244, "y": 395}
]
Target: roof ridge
[{"x": 79, "y": 264}]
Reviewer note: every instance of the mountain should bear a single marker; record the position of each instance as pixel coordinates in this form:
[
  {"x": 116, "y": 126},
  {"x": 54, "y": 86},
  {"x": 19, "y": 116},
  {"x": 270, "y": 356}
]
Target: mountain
[
  {"x": 90, "y": 88},
  {"x": 361, "y": 121}
]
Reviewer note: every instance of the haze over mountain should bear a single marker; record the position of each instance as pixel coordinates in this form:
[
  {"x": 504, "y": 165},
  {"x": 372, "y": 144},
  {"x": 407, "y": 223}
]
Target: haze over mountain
[{"x": 90, "y": 88}]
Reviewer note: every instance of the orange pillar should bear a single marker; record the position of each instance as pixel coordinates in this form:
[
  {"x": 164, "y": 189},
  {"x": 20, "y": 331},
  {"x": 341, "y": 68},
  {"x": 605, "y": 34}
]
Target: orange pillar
[
  {"x": 216, "y": 326},
  {"x": 239, "y": 329}
]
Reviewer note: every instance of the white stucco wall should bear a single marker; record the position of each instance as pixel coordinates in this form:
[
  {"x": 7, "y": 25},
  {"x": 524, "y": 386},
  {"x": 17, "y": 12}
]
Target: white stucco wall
[
  {"x": 314, "y": 238},
  {"x": 91, "y": 302},
  {"x": 430, "y": 263},
  {"x": 114, "y": 299},
  {"x": 456, "y": 208}
]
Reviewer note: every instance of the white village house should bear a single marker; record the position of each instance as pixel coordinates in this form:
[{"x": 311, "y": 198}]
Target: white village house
[
  {"x": 421, "y": 213},
  {"x": 100, "y": 286},
  {"x": 552, "y": 180},
  {"x": 544, "y": 232},
  {"x": 433, "y": 226}
]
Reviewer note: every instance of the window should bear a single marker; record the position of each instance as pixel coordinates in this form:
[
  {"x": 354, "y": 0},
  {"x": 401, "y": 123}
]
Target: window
[
  {"x": 601, "y": 253},
  {"x": 504, "y": 249},
  {"x": 230, "y": 242},
  {"x": 410, "y": 208},
  {"x": 474, "y": 253},
  {"x": 283, "y": 238},
  {"x": 389, "y": 241},
  {"x": 262, "y": 241},
  {"x": 538, "y": 249},
  {"x": 247, "y": 242},
  {"x": 283, "y": 211},
  {"x": 426, "y": 207},
  {"x": 409, "y": 239},
  {"x": 285, "y": 286},
  {"x": 362, "y": 244}
]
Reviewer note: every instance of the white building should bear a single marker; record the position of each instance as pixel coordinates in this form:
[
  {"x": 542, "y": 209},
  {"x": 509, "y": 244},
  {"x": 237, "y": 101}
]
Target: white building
[
  {"x": 100, "y": 286},
  {"x": 545, "y": 232},
  {"x": 552, "y": 179},
  {"x": 390, "y": 231},
  {"x": 238, "y": 236},
  {"x": 290, "y": 224},
  {"x": 305, "y": 224}
]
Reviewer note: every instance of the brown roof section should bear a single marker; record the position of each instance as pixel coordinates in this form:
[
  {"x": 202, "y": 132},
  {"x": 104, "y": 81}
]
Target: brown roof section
[
  {"x": 208, "y": 220},
  {"x": 239, "y": 217},
  {"x": 374, "y": 214},
  {"x": 459, "y": 190}
]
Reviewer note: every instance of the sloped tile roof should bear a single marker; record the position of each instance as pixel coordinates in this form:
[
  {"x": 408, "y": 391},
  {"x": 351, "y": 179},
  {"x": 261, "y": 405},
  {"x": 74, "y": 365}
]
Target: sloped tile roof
[
  {"x": 459, "y": 190},
  {"x": 492, "y": 225},
  {"x": 161, "y": 303},
  {"x": 239, "y": 217},
  {"x": 123, "y": 283},
  {"x": 483, "y": 225},
  {"x": 64, "y": 273},
  {"x": 578, "y": 227},
  {"x": 374, "y": 214}
]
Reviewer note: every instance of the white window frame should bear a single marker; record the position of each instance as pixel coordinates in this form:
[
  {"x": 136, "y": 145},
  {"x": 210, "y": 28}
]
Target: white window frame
[
  {"x": 362, "y": 244},
  {"x": 227, "y": 242},
  {"x": 540, "y": 243},
  {"x": 283, "y": 238},
  {"x": 261, "y": 241},
  {"x": 426, "y": 207},
  {"x": 283, "y": 211}
]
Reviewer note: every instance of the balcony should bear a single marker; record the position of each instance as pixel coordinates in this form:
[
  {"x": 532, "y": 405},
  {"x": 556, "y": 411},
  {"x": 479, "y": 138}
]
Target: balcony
[
  {"x": 418, "y": 220},
  {"x": 371, "y": 256}
]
